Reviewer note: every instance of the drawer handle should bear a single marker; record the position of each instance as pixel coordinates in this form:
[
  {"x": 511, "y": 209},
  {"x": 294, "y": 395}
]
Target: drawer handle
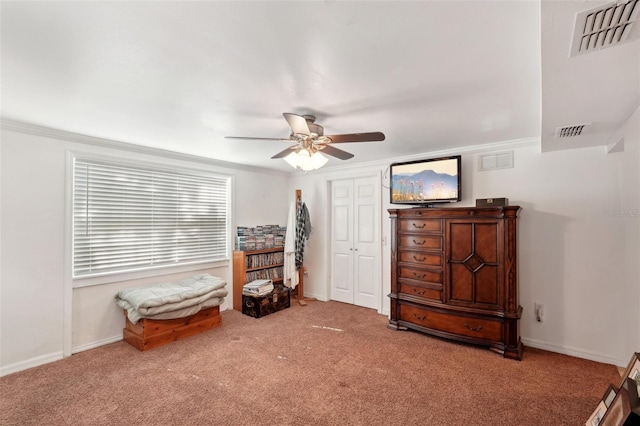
[
  {"x": 419, "y": 227},
  {"x": 419, "y": 293},
  {"x": 420, "y": 244},
  {"x": 415, "y": 275},
  {"x": 419, "y": 260},
  {"x": 419, "y": 317},
  {"x": 478, "y": 328}
]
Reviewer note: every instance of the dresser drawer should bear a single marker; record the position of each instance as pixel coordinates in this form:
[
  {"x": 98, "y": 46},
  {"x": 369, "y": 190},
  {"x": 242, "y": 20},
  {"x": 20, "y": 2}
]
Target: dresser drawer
[
  {"x": 484, "y": 329},
  {"x": 420, "y": 258},
  {"x": 420, "y": 225},
  {"x": 430, "y": 242},
  {"x": 420, "y": 275},
  {"x": 427, "y": 293}
]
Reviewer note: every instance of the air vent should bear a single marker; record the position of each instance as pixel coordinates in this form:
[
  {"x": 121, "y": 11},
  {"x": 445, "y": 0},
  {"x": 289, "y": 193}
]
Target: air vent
[
  {"x": 605, "y": 26},
  {"x": 495, "y": 160},
  {"x": 571, "y": 131}
]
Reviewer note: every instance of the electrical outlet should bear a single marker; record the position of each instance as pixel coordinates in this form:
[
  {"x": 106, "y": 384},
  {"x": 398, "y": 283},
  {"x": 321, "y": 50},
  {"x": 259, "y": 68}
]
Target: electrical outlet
[{"x": 538, "y": 311}]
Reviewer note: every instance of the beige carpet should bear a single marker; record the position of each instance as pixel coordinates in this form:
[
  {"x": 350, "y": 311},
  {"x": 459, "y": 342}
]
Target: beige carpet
[{"x": 324, "y": 364}]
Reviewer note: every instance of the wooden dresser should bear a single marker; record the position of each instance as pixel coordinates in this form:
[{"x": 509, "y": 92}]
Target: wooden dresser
[{"x": 454, "y": 275}]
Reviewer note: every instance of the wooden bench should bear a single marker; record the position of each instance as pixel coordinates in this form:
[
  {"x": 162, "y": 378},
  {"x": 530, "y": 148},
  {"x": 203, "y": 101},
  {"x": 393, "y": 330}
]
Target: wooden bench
[{"x": 149, "y": 333}]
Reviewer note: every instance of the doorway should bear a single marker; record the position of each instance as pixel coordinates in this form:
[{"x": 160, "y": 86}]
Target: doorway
[{"x": 355, "y": 241}]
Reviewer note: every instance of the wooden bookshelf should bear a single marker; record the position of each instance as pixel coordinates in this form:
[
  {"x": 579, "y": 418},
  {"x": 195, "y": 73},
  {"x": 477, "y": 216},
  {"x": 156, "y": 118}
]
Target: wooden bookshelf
[{"x": 256, "y": 264}]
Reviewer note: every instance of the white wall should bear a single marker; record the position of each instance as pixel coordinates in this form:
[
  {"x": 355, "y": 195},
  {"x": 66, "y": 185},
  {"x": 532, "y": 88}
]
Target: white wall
[
  {"x": 570, "y": 250},
  {"x": 629, "y": 183},
  {"x": 32, "y": 280},
  {"x": 575, "y": 255},
  {"x": 34, "y": 314}
]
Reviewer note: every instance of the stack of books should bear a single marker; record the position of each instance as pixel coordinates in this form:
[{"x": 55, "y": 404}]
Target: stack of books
[
  {"x": 260, "y": 237},
  {"x": 258, "y": 288}
]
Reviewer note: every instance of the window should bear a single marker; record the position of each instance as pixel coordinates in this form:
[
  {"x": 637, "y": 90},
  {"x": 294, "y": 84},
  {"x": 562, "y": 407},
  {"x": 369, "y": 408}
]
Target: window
[{"x": 129, "y": 218}]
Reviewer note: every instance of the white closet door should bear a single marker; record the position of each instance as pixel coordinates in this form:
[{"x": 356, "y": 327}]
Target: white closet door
[
  {"x": 355, "y": 255},
  {"x": 366, "y": 248},
  {"x": 342, "y": 240}
]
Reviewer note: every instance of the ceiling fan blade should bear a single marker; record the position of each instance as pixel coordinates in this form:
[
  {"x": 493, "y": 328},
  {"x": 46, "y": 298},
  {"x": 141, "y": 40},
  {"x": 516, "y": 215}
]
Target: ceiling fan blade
[
  {"x": 343, "y": 155},
  {"x": 284, "y": 152},
  {"x": 297, "y": 123},
  {"x": 257, "y": 139},
  {"x": 357, "y": 137}
]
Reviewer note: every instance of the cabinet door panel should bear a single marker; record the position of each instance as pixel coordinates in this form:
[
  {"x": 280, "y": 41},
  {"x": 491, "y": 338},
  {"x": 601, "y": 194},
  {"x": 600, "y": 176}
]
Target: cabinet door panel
[
  {"x": 462, "y": 234},
  {"x": 473, "y": 272},
  {"x": 486, "y": 241},
  {"x": 460, "y": 283},
  {"x": 486, "y": 285}
]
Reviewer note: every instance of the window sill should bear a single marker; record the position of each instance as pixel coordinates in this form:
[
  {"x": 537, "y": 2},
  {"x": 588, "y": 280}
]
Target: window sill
[{"x": 154, "y": 272}]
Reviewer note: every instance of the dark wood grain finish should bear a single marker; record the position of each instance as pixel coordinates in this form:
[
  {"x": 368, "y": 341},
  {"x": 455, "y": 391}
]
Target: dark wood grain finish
[
  {"x": 421, "y": 275},
  {"x": 418, "y": 241},
  {"x": 420, "y": 225},
  {"x": 454, "y": 275},
  {"x": 474, "y": 273},
  {"x": 420, "y": 258},
  {"x": 474, "y": 327},
  {"x": 421, "y": 291}
]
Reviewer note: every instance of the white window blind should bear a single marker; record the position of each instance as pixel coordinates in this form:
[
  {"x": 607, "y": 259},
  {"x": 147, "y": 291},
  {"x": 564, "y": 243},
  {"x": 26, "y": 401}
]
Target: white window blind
[{"x": 131, "y": 218}]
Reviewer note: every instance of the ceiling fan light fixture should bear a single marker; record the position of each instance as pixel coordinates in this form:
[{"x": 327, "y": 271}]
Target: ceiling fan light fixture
[
  {"x": 318, "y": 160},
  {"x": 291, "y": 159},
  {"x": 303, "y": 160},
  {"x": 308, "y": 138}
]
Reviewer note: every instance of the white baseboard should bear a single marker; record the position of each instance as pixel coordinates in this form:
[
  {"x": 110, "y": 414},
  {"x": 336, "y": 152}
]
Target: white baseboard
[
  {"x": 97, "y": 344},
  {"x": 315, "y": 296},
  {"x": 30, "y": 363},
  {"x": 56, "y": 356},
  {"x": 579, "y": 353}
]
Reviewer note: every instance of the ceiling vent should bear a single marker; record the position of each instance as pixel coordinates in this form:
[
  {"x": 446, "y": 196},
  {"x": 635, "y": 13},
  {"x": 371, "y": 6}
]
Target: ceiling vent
[
  {"x": 571, "y": 131},
  {"x": 605, "y": 26}
]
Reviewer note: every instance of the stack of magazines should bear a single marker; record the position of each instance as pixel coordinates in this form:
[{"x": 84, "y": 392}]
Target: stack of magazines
[{"x": 258, "y": 288}]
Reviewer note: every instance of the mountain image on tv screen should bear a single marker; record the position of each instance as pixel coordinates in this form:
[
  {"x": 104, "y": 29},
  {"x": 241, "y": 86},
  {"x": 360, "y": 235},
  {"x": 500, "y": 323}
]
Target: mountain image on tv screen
[{"x": 425, "y": 185}]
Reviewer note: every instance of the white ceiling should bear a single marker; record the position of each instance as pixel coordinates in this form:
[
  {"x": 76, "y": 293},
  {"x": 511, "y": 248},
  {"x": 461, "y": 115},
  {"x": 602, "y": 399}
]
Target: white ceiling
[
  {"x": 601, "y": 88},
  {"x": 431, "y": 75}
]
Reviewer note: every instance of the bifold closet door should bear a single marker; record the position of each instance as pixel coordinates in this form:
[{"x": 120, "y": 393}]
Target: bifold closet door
[{"x": 355, "y": 247}]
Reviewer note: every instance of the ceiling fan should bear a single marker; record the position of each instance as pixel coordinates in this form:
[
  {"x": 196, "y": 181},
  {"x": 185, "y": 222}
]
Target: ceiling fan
[{"x": 308, "y": 141}]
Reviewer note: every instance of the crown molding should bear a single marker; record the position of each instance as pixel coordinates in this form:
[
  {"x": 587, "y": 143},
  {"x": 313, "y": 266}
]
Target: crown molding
[
  {"x": 466, "y": 150},
  {"x": 36, "y": 130}
]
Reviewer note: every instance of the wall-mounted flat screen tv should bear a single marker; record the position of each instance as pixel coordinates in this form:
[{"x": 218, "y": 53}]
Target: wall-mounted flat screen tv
[{"x": 425, "y": 182}]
